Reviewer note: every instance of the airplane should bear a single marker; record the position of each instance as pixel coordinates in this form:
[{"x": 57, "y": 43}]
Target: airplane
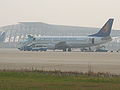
[
  {"x": 66, "y": 43},
  {"x": 2, "y": 36}
]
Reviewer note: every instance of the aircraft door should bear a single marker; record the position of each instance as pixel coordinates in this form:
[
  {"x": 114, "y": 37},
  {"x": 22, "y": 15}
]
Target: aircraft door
[{"x": 93, "y": 40}]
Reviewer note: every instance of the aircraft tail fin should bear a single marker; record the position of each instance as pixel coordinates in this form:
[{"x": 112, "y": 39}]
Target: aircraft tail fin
[
  {"x": 105, "y": 30},
  {"x": 2, "y": 36},
  {"x": 31, "y": 38}
]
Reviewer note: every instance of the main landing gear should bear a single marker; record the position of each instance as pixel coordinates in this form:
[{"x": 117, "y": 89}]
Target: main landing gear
[
  {"x": 64, "y": 50},
  {"x": 69, "y": 50}
]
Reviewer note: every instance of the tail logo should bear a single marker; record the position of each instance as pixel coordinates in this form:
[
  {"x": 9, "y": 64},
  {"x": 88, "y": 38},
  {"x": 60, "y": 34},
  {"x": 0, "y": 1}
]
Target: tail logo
[{"x": 106, "y": 28}]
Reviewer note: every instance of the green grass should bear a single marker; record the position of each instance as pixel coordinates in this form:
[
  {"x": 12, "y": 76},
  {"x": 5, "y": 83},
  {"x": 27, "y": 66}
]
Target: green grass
[{"x": 39, "y": 81}]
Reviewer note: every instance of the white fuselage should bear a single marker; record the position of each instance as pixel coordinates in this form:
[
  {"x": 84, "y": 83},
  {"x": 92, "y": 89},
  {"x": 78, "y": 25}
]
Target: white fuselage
[{"x": 70, "y": 41}]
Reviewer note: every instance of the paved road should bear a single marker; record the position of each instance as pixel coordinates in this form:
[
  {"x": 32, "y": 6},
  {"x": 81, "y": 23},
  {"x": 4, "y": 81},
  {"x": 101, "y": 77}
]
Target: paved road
[{"x": 64, "y": 61}]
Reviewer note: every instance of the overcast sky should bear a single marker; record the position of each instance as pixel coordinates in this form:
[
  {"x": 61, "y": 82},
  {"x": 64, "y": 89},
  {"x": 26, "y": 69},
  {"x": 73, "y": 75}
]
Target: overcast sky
[{"x": 86, "y": 13}]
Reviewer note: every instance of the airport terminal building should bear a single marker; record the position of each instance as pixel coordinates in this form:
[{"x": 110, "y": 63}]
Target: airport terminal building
[{"x": 14, "y": 33}]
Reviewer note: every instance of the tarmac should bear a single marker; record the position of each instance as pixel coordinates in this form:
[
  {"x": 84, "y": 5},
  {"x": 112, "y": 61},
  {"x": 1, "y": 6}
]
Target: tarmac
[{"x": 13, "y": 59}]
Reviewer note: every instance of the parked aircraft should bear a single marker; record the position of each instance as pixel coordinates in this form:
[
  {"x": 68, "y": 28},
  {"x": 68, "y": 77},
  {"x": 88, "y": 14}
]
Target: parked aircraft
[
  {"x": 2, "y": 36},
  {"x": 66, "y": 43}
]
